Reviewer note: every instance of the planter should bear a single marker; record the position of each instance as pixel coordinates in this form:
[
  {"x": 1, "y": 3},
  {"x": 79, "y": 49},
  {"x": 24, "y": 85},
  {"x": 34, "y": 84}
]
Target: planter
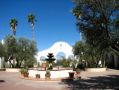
[
  {"x": 47, "y": 78},
  {"x": 77, "y": 75},
  {"x": 43, "y": 65},
  {"x": 22, "y": 74},
  {"x": 71, "y": 75},
  {"x": 47, "y": 75},
  {"x": 37, "y": 76},
  {"x": 26, "y": 74},
  {"x": 96, "y": 69},
  {"x": 77, "y": 72}
]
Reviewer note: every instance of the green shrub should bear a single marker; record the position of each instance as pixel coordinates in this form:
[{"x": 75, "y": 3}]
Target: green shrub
[
  {"x": 24, "y": 70},
  {"x": 47, "y": 74}
]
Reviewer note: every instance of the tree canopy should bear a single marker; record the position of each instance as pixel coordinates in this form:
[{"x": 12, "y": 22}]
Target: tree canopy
[
  {"x": 98, "y": 21},
  {"x": 20, "y": 52},
  {"x": 2, "y": 50},
  {"x": 31, "y": 20},
  {"x": 88, "y": 55},
  {"x": 13, "y": 24}
]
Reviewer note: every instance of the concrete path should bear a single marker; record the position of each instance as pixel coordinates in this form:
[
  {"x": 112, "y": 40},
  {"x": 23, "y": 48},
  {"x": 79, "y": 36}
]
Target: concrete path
[{"x": 100, "y": 80}]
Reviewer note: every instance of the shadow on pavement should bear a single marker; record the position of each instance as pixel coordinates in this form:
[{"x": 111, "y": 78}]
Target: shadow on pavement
[
  {"x": 1, "y": 81},
  {"x": 100, "y": 82}
]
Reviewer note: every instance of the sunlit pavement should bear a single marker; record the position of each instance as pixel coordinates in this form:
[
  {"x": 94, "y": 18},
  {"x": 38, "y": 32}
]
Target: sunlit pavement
[{"x": 89, "y": 80}]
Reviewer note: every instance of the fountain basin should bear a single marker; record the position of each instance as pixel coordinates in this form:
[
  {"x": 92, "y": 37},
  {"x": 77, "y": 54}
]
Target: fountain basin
[{"x": 54, "y": 73}]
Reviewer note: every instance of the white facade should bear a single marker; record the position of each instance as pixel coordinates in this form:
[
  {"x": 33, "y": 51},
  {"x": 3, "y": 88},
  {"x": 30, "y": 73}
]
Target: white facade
[
  {"x": 1, "y": 58},
  {"x": 54, "y": 74},
  {"x": 58, "y": 47},
  {"x": 1, "y": 62}
]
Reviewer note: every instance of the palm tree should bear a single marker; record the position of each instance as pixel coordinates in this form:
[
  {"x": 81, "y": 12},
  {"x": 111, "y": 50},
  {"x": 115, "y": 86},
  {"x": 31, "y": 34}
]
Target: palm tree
[
  {"x": 13, "y": 24},
  {"x": 31, "y": 20}
]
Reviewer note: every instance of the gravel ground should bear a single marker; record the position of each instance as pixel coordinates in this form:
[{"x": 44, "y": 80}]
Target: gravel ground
[{"x": 89, "y": 80}]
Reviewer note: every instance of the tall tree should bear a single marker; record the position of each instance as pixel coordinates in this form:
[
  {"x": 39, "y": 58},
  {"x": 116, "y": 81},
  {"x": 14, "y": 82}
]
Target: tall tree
[
  {"x": 26, "y": 52},
  {"x": 31, "y": 20},
  {"x": 2, "y": 50},
  {"x": 95, "y": 22},
  {"x": 11, "y": 50},
  {"x": 21, "y": 51},
  {"x": 88, "y": 53},
  {"x": 13, "y": 24}
]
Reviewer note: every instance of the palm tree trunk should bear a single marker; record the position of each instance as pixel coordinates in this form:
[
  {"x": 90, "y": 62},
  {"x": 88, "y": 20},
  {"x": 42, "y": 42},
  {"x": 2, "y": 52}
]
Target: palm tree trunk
[
  {"x": 14, "y": 33},
  {"x": 33, "y": 34}
]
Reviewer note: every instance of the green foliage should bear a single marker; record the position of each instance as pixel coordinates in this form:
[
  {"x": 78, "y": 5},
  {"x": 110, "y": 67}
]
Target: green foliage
[
  {"x": 88, "y": 56},
  {"x": 38, "y": 64},
  {"x": 31, "y": 20},
  {"x": 80, "y": 66},
  {"x": 63, "y": 62},
  {"x": 29, "y": 62},
  {"x": 21, "y": 51},
  {"x": 47, "y": 74},
  {"x": 23, "y": 70},
  {"x": 2, "y": 50},
  {"x": 50, "y": 67},
  {"x": 13, "y": 24},
  {"x": 78, "y": 70},
  {"x": 97, "y": 21},
  {"x": 79, "y": 48}
]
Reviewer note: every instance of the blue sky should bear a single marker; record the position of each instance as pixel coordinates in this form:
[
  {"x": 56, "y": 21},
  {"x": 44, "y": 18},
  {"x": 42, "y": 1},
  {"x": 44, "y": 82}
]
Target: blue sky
[{"x": 54, "y": 21}]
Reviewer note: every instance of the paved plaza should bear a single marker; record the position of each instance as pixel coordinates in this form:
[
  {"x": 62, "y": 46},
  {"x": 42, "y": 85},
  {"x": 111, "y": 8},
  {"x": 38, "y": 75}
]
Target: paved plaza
[{"x": 89, "y": 80}]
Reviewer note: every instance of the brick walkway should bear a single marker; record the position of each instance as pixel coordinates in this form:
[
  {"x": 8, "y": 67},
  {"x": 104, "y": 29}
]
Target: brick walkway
[{"x": 90, "y": 80}]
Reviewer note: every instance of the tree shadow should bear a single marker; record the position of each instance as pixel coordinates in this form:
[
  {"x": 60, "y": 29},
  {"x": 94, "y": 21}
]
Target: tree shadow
[
  {"x": 100, "y": 82},
  {"x": 2, "y": 81}
]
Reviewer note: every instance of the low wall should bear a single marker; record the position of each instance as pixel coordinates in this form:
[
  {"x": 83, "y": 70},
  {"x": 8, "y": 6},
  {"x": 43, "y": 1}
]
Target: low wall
[
  {"x": 12, "y": 69},
  {"x": 54, "y": 74},
  {"x": 96, "y": 69},
  {"x": 2, "y": 69}
]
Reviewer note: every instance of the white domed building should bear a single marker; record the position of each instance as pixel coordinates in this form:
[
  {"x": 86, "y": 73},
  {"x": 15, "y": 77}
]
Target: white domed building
[{"x": 59, "y": 49}]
